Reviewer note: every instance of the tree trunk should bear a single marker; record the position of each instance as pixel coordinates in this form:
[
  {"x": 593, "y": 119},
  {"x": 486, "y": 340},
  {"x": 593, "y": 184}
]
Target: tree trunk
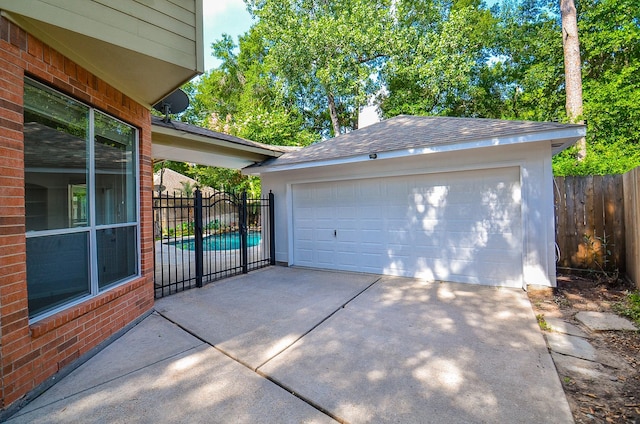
[
  {"x": 572, "y": 72},
  {"x": 333, "y": 113}
]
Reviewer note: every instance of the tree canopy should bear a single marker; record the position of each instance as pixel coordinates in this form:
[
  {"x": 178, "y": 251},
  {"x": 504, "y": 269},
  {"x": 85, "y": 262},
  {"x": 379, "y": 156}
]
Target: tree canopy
[{"x": 306, "y": 67}]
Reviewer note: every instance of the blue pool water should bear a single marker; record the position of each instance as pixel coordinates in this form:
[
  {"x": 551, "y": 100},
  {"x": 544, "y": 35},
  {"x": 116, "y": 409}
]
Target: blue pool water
[{"x": 226, "y": 241}]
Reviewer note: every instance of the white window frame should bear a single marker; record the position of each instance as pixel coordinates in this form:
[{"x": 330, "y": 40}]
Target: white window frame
[{"x": 92, "y": 228}]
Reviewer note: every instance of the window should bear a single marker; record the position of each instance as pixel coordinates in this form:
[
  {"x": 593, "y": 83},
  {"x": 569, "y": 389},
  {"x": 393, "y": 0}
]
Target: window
[{"x": 81, "y": 200}]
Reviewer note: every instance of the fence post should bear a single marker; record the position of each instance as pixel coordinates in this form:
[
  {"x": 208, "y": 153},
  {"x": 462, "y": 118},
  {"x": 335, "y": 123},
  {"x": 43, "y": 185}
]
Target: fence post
[
  {"x": 272, "y": 229},
  {"x": 199, "y": 251},
  {"x": 243, "y": 233}
]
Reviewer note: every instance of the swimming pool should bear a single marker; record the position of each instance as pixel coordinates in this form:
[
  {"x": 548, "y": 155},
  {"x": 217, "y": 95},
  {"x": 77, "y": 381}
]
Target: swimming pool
[{"x": 224, "y": 241}]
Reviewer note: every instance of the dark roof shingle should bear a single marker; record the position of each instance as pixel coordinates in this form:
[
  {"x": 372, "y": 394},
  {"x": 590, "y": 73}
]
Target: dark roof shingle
[{"x": 409, "y": 132}]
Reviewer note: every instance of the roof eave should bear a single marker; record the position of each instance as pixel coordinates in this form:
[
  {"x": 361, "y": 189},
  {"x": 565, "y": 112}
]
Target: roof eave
[
  {"x": 173, "y": 144},
  {"x": 558, "y": 140},
  {"x": 105, "y": 59}
]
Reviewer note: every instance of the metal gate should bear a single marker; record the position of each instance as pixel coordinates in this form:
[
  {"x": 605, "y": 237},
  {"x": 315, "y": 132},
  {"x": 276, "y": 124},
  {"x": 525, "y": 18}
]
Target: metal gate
[{"x": 201, "y": 239}]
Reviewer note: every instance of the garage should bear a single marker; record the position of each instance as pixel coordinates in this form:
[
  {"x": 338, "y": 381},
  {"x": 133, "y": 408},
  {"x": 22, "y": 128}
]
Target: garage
[
  {"x": 438, "y": 198},
  {"x": 459, "y": 226}
]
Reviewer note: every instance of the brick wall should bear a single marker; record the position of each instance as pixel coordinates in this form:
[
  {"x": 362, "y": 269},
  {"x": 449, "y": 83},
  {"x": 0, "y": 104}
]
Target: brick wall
[{"x": 31, "y": 354}]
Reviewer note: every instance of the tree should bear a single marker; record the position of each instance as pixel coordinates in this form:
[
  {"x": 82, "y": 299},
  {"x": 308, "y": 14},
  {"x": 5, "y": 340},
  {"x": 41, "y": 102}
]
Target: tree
[
  {"x": 527, "y": 62},
  {"x": 610, "y": 43},
  {"x": 572, "y": 68},
  {"x": 306, "y": 66},
  {"x": 327, "y": 53},
  {"x": 241, "y": 97},
  {"x": 188, "y": 188},
  {"x": 438, "y": 58}
]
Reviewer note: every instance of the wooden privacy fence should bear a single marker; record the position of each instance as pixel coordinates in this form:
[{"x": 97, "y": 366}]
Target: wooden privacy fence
[
  {"x": 590, "y": 222},
  {"x": 631, "y": 186}
]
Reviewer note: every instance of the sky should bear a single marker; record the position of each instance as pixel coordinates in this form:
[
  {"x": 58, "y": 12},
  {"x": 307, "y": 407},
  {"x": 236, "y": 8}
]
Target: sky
[{"x": 223, "y": 16}]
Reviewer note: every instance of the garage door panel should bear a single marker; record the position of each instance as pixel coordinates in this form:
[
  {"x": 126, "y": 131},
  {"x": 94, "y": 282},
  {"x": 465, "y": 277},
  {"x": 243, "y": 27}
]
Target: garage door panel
[
  {"x": 365, "y": 213},
  {"x": 368, "y": 235},
  {"x": 323, "y": 213},
  {"x": 305, "y": 234},
  {"x": 372, "y": 249},
  {"x": 458, "y": 226}
]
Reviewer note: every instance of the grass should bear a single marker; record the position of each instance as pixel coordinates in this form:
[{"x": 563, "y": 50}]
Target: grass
[
  {"x": 542, "y": 323},
  {"x": 630, "y": 307}
]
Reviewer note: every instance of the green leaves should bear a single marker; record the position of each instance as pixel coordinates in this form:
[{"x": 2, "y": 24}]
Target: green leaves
[
  {"x": 327, "y": 52},
  {"x": 306, "y": 67},
  {"x": 610, "y": 41},
  {"x": 439, "y": 61}
]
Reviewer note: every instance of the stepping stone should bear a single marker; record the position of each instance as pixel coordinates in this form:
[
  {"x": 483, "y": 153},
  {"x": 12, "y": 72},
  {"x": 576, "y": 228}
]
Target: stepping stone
[
  {"x": 605, "y": 321},
  {"x": 560, "y": 326},
  {"x": 571, "y": 345},
  {"x": 570, "y": 365}
]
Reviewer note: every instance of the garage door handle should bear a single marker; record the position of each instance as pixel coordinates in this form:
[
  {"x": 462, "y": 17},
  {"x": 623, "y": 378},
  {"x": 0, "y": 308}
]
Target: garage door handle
[{"x": 335, "y": 233}]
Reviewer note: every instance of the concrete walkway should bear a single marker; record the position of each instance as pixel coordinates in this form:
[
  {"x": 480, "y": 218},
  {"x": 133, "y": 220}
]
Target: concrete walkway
[{"x": 295, "y": 345}]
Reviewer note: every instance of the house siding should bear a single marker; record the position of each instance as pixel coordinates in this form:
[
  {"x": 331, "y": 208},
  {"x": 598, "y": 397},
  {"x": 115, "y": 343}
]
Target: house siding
[
  {"x": 30, "y": 354},
  {"x": 163, "y": 29}
]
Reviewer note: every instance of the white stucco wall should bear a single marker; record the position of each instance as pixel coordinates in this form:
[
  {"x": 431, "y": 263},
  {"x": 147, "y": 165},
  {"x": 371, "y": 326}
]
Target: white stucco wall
[{"x": 533, "y": 159}]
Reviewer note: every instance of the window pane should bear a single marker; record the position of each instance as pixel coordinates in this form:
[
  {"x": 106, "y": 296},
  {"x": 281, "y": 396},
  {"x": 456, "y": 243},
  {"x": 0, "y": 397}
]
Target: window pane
[
  {"x": 57, "y": 270},
  {"x": 117, "y": 254},
  {"x": 56, "y": 132},
  {"x": 115, "y": 171}
]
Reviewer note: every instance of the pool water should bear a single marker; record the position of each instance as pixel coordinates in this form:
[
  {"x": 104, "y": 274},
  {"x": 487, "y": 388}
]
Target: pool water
[{"x": 225, "y": 241}]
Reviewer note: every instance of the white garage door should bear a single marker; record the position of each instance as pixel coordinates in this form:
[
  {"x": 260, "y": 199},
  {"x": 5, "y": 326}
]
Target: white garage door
[{"x": 457, "y": 226}]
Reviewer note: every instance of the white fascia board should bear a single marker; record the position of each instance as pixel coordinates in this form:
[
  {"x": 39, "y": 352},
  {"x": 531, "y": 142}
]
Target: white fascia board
[
  {"x": 178, "y": 135},
  {"x": 565, "y": 136}
]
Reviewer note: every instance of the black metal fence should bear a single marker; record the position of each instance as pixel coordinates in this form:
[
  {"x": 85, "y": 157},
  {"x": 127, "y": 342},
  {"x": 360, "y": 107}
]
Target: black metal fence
[{"x": 201, "y": 239}]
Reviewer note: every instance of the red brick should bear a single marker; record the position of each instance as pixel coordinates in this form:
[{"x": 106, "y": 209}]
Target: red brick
[
  {"x": 4, "y": 29},
  {"x": 57, "y": 60},
  {"x": 13, "y": 352},
  {"x": 70, "y": 69},
  {"x": 69, "y": 359},
  {"x": 11, "y": 62},
  {"x": 46, "y": 54},
  {"x": 26, "y": 359},
  {"x": 15, "y": 307},
  {"x": 12, "y": 125},
  {"x": 13, "y": 282},
  {"x": 12, "y": 139},
  {"x": 10, "y": 192},
  {"x": 9, "y": 239},
  {"x": 9, "y": 105},
  {"x": 34, "y": 66},
  {"x": 13, "y": 162},
  {"x": 21, "y": 377},
  {"x": 17, "y": 337},
  {"x": 7, "y": 93},
  {"x": 10, "y": 153},
  {"x": 10, "y": 298},
  {"x": 34, "y": 349},
  {"x": 34, "y": 47},
  {"x": 67, "y": 344},
  {"x": 18, "y": 37},
  {"x": 8, "y": 318},
  {"x": 79, "y": 93}
]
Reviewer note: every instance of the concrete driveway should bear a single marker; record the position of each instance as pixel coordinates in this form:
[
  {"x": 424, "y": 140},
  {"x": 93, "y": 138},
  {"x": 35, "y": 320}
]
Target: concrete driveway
[{"x": 297, "y": 345}]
